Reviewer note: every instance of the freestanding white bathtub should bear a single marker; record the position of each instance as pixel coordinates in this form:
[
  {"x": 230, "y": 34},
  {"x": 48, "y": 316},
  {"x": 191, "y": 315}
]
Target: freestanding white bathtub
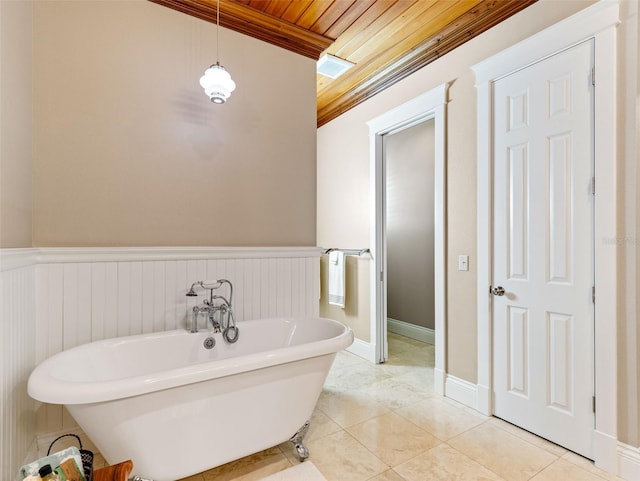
[{"x": 176, "y": 408}]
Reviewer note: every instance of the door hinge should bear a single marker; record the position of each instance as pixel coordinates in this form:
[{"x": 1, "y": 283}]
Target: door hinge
[
  {"x": 593, "y": 76},
  {"x": 381, "y": 276},
  {"x": 593, "y": 294},
  {"x": 593, "y": 403},
  {"x": 593, "y": 185}
]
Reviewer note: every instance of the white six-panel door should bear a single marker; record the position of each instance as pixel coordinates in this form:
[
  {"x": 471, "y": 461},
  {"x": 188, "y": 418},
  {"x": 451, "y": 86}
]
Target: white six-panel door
[{"x": 543, "y": 248}]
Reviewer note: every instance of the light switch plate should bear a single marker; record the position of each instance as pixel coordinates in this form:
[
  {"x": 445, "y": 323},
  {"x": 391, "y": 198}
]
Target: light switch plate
[{"x": 463, "y": 263}]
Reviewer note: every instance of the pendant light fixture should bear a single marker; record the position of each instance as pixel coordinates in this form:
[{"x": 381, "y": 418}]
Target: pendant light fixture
[{"x": 216, "y": 81}]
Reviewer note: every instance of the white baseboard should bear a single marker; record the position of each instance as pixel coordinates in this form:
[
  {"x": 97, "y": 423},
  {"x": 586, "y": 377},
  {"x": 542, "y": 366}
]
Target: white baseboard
[
  {"x": 419, "y": 333},
  {"x": 439, "y": 377},
  {"x": 484, "y": 400},
  {"x": 461, "y": 391},
  {"x": 628, "y": 462},
  {"x": 605, "y": 453},
  {"x": 364, "y": 349}
]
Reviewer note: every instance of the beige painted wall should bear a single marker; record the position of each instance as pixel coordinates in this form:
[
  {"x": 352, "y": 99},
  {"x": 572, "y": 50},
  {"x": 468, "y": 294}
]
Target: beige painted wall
[
  {"x": 628, "y": 243},
  {"x": 356, "y": 294},
  {"x": 344, "y": 203},
  {"x": 343, "y": 168},
  {"x": 410, "y": 160},
  {"x": 15, "y": 124},
  {"x": 128, "y": 151},
  {"x": 633, "y": 157}
]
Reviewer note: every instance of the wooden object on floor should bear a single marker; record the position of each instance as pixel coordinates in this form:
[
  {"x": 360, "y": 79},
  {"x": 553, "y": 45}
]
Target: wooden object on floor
[{"x": 117, "y": 472}]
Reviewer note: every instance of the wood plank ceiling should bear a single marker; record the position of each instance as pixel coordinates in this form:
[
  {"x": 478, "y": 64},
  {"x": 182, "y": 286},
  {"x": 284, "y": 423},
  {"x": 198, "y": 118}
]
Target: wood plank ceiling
[{"x": 387, "y": 40}]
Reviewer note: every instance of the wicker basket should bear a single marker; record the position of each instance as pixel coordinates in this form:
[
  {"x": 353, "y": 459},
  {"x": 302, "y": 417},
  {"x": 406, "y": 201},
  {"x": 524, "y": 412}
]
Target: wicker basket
[{"x": 85, "y": 455}]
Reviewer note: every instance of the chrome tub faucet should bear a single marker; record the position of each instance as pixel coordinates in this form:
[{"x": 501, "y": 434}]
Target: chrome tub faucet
[{"x": 215, "y": 303}]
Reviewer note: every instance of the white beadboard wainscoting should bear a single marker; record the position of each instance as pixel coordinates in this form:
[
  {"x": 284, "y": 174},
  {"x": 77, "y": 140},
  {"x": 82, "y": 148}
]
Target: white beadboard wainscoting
[
  {"x": 86, "y": 295},
  {"x": 79, "y": 295},
  {"x": 17, "y": 334}
]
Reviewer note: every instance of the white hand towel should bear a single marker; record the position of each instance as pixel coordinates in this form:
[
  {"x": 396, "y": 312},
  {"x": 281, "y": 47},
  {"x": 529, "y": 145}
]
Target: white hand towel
[{"x": 336, "y": 278}]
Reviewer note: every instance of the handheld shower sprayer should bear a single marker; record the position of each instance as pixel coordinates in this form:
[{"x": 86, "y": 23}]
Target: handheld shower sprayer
[
  {"x": 210, "y": 285},
  {"x": 225, "y": 281}
]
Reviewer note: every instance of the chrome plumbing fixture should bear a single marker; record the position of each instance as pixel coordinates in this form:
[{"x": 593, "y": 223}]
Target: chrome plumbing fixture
[
  {"x": 230, "y": 332},
  {"x": 215, "y": 303},
  {"x": 302, "y": 452}
]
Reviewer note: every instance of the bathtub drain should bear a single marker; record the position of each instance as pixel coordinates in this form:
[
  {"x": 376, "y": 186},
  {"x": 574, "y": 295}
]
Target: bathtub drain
[{"x": 209, "y": 342}]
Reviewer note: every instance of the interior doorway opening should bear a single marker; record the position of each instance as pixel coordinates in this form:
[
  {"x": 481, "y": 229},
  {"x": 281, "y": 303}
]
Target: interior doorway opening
[
  {"x": 430, "y": 106},
  {"x": 409, "y": 157}
]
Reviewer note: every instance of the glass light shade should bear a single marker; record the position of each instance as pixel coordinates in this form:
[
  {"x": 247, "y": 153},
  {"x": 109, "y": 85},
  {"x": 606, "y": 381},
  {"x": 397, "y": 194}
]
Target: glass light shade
[{"x": 217, "y": 84}]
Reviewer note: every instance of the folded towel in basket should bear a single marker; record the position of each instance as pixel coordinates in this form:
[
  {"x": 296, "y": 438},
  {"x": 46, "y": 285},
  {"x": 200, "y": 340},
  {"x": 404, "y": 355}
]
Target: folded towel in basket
[{"x": 55, "y": 459}]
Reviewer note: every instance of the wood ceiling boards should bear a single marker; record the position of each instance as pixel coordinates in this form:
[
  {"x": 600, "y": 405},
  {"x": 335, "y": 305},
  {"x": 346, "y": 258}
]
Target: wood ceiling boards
[{"x": 386, "y": 39}]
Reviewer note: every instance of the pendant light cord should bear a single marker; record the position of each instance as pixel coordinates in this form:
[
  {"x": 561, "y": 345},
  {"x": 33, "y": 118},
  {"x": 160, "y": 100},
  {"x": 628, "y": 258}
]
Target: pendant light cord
[{"x": 218, "y": 34}]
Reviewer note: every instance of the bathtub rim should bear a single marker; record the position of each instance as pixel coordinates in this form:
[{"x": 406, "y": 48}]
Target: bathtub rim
[{"x": 45, "y": 387}]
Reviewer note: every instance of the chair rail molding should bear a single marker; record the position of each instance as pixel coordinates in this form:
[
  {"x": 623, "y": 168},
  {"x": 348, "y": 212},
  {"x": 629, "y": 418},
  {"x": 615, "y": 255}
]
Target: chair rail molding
[{"x": 51, "y": 255}]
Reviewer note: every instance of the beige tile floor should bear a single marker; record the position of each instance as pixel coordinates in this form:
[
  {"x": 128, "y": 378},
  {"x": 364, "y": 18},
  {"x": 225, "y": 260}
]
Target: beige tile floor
[{"x": 385, "y": 423}]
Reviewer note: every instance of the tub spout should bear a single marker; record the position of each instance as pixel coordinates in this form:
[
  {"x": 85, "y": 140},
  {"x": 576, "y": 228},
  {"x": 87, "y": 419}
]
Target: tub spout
[
  {"x": 215, "y": 324},
  {"x": 210, "y": 311}
]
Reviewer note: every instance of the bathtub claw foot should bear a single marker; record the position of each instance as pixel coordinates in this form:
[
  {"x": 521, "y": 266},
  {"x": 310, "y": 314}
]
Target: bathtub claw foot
[{"x": 302, "y": 452}]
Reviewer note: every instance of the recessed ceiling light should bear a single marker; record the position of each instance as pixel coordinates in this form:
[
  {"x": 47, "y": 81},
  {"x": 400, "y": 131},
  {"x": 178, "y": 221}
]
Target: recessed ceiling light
[{"x": 332, "y": 66}]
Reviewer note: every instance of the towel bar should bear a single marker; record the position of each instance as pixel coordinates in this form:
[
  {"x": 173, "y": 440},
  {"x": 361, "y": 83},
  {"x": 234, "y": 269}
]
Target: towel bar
[{"x": 348, "y": 252}]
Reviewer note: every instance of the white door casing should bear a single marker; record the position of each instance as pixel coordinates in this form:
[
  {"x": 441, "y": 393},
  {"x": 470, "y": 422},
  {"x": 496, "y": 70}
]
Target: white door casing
[
  {"x": 430, "y": 105},
  {"x": 597, "y": 22},
  {"x": 542, "y": 248}
]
